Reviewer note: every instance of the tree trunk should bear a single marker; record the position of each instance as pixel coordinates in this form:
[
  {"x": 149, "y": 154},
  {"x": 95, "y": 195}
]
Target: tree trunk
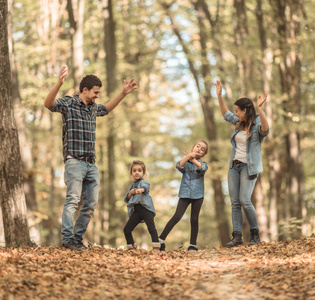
[
  {"x": 274, "y": 194},
  {"x": 244, "y": 60},
  {"x": 208, "y": 111},
  {"x": 12, "y": 197},
  {"x": 76, "y": 16},
  {"x": 111, "y": 72},
  {"x": 288, "y": 15},
  {"x": 25, "y": 143},
  {"x": 103, "y": 216}
]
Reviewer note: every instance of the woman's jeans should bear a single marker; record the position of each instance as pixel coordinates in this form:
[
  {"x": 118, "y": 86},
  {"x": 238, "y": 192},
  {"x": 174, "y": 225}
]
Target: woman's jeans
[
  {"x": 81, "y": 178},
  {"x": 241, "y": 187}
]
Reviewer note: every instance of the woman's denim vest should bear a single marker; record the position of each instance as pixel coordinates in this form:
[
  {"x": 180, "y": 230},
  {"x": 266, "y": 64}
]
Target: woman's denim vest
[{"x": 253, "y": 147}]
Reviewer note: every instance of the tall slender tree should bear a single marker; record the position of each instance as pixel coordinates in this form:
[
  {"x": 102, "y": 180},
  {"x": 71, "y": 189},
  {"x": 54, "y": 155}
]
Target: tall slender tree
[
  {"x": 111, "y": 79},
  {"x": 288, "y": 15},
  {"x": 24, "y": 139},
  {"x": 76, "y": 17},
  {"x": 12, "y": 196},
  {"x": 203, "y": 85}
]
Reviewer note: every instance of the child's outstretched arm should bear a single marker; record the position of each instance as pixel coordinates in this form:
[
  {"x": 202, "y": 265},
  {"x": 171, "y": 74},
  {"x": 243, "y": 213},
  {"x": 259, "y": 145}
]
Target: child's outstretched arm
[
  {"x": 143, "y": 187},
  {"x": 132, "y": 192},
  {"x": 140, "y": 191}
]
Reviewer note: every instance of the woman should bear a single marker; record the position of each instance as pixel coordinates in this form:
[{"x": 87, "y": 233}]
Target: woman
[{"x": 245, "y": 161}]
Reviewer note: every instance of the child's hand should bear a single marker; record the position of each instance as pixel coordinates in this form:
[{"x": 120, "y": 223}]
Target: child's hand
[
  {"x": 191, "y": 155},
  {"x": 133, "y": 191},
  {"x": 139, "y": 191}
]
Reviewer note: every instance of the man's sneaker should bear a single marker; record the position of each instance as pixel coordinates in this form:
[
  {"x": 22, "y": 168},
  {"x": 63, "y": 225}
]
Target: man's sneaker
[
  {"x": 81, "y": 245},
  {"x": 192, "y": 248},
  {"x": 72, "y": 245}
]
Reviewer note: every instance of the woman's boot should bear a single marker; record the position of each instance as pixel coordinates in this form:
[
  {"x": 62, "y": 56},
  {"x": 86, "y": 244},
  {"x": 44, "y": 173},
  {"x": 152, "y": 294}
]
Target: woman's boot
[
  {"x": 236, "y": 240},
  {"x": 254, "y": 237}
]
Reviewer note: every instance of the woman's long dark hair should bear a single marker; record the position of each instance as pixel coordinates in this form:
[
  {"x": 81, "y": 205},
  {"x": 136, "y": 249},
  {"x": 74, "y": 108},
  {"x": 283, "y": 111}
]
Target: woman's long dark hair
[{"x": 243, "y": 103}]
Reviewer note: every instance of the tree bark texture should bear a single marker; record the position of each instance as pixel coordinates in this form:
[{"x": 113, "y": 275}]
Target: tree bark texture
[
  {"x": 208, "y": 112},
  {"x": 272, "y": 150},
  {"x": 111, "y": 75},
  {"x": 12, "y": 197},
  {"x": 24, "y": 140},
  {"x": 76, "y": 16},
  {"x": 288, "y": 15}
]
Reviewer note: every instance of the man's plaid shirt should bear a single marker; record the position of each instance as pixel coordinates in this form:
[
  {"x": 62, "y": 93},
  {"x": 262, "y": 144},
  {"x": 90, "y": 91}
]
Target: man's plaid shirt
[{"x": 79, "y": 124}]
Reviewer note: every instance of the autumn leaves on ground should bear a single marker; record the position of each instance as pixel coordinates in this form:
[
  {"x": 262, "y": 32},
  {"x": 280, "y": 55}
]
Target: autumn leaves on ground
[{"x": 277, "y": 270}]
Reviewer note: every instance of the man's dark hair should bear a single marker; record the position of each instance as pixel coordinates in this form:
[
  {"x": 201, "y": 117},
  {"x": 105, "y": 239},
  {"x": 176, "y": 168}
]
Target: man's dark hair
[{"x": 89, "y": 81}]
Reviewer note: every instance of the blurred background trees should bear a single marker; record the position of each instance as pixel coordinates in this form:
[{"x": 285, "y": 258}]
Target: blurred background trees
[{"x": 175, "y": 50}]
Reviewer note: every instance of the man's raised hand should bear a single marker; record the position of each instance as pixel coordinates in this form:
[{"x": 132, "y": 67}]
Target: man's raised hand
[
  {"x": 63, "y": 74},
  {"x": 129, "y": 86}
]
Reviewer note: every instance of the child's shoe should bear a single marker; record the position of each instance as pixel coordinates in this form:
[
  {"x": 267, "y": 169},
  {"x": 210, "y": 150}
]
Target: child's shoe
[
  {"x": 192, "y": 248},
  {"x": 132, "y": 246},
  {"x": 156, "y": 246},
  {"x": 162, "y": 246}
]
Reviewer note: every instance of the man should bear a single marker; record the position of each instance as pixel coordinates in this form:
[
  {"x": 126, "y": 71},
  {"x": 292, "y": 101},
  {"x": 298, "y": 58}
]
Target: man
[{"x": 78, "y": 136}]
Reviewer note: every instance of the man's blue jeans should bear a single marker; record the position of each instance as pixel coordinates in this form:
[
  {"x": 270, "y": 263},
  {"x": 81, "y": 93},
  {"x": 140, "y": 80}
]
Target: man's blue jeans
[
  {"x": 81, "y": 178},
  {"x": 241, "y": 187}
]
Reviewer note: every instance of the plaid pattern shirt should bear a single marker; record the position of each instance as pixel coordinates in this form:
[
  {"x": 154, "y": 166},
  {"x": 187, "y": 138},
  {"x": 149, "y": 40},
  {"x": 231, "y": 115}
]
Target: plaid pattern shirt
[{"x": 79, "y": 124}]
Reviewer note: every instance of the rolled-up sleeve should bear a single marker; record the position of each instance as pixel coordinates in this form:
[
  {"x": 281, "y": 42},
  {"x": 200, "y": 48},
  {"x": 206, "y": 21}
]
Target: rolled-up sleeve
[
  {"x": 126, "y": 199},
  {"x": 144, "y": 184},
  {"x": 230, "y": 117},
  {"x": 59, "y": 105},
  {"x": 101, "y": 110},
  {"x": 261, "y": 132},
  {"x": 203, "y": 169},
  {"x": 179, "y": 168}
]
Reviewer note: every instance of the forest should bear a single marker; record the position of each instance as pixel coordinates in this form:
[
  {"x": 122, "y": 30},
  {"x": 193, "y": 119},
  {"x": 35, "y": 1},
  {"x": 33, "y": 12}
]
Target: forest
[{"x": 175, "y": 51}]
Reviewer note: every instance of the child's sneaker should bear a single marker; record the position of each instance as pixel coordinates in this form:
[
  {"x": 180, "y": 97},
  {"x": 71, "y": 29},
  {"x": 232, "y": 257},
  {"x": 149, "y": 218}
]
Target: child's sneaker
[
  {"x": 132, "y": 246},
  {"x": 156, "y": 246},
  {"x": 192, "y": 248},
  {"x": 162, "y": 246}
]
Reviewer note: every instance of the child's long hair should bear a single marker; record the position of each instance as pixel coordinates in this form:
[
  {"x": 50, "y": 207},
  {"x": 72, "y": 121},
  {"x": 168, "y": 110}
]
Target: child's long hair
[
  {"x": 243, "y": 103},
  {"x": 138, "y": 162},
  {"x": 203, "y": 141}
]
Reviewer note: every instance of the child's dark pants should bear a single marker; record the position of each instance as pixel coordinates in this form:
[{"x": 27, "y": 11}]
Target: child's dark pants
[
  {"x": 139, "y": 214},
  {"x": 180, "y": 210}
]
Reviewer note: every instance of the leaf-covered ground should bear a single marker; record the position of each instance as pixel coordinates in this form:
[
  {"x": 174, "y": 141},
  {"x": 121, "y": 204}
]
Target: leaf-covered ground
[{"x": 277, "y": 270}]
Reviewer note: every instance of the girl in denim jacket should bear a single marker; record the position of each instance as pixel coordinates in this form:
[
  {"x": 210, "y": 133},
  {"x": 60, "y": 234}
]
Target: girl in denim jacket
[
  {"x": 191, "y": 192},
  {"x": 140, "y": 206},
  {"x": 245, "y": 161}
]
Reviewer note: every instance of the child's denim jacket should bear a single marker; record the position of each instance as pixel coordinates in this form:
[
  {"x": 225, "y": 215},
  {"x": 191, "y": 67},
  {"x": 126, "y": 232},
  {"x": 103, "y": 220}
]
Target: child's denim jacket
[
  {"x": 253, "y": 148},
  {"x": 192, "y": 184},
  {"x": 144, "y": 198}
]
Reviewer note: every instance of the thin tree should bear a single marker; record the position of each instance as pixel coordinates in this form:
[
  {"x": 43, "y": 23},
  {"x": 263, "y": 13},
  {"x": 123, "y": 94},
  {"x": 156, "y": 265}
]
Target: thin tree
[
  {"x": 111, "y": 73},
  {"x": 12, "y": 197},
  {"x": 76, "y": 17}
]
